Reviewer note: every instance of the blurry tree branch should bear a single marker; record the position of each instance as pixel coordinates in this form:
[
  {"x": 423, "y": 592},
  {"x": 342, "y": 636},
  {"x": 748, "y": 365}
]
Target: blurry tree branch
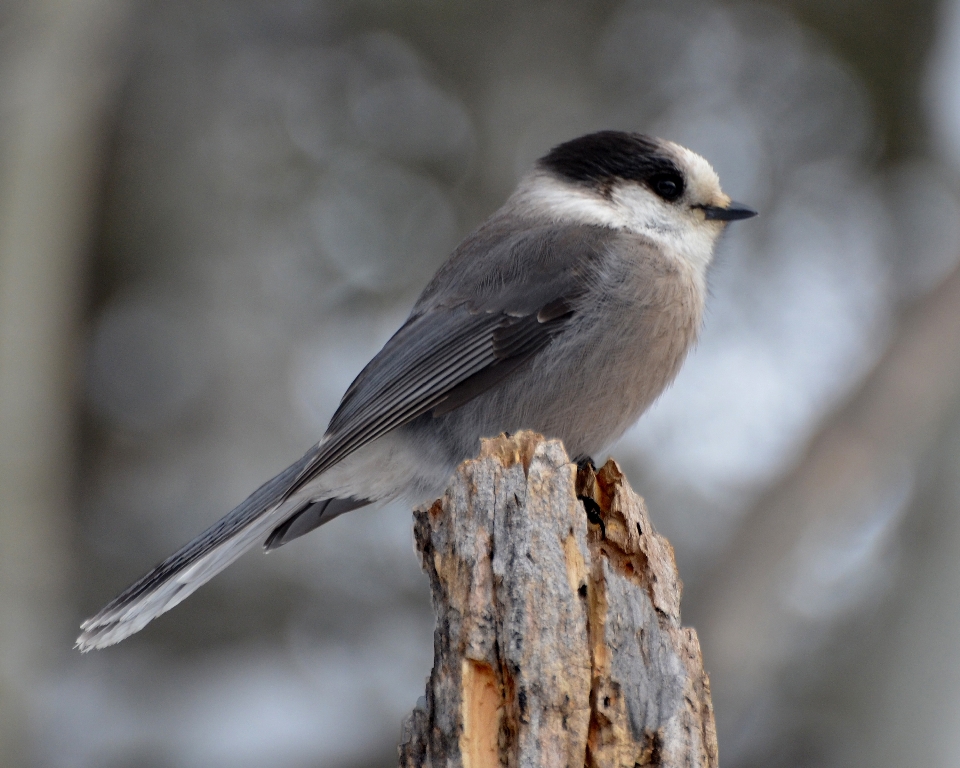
[
  {"x": 558, "y": 639},
  {"x": 760, "y": 608},
  {"x": 58, "y": 71}
]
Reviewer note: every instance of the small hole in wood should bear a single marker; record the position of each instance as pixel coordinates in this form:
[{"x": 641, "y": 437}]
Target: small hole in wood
[{"x": 593, "y": 513}]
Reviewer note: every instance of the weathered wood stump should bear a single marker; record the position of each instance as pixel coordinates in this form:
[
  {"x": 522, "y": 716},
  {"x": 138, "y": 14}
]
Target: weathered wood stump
[{"x": 558, "y": 639}]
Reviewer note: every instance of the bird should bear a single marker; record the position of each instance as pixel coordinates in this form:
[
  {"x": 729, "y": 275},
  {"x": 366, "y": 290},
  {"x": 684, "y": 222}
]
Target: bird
[{"x": 567, "y": 312}]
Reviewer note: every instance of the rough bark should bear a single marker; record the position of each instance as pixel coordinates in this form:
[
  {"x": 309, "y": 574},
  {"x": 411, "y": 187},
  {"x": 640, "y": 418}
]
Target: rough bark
[{"x": 558, "y": 639}]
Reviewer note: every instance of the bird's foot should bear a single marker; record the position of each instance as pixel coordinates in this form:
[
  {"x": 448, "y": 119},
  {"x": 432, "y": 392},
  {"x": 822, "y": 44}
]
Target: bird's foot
[{"x": 583, "y": 462}]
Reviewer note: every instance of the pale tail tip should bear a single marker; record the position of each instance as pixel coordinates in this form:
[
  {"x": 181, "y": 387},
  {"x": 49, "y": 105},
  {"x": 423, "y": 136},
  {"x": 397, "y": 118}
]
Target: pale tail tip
[
  {"x": 86, "y": 643},
  {"x": 93, "y": 637},
  {"x": 83, "y": 645}
]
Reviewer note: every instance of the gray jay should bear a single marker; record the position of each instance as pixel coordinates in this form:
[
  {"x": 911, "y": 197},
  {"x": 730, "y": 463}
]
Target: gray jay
[{"x": 567, "y": 312}]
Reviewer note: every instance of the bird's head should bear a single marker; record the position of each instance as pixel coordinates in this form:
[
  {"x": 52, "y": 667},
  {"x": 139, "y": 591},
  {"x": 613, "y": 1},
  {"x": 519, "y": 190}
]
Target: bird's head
[{"x": 635, "y": 183}]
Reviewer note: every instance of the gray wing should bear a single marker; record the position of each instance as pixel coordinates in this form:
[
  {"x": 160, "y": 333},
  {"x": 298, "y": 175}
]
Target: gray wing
[
  {"x": 499, "y": 301},
  {"x": 510, "y": 298}
]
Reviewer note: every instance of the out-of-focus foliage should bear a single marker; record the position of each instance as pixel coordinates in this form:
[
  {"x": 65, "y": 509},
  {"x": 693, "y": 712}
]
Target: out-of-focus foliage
[{"x": 278, "y": 181}]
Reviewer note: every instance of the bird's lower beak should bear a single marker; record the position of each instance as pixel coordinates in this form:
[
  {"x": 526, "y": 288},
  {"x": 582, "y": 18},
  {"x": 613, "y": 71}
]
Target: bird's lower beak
[{"x": 733, "y": 212}]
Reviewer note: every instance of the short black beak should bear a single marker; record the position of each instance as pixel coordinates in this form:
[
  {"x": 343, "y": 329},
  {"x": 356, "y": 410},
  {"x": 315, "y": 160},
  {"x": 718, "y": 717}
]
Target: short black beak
[{"x": 733, "y": 212}]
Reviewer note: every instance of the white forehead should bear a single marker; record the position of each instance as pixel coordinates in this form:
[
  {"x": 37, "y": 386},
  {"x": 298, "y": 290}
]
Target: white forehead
[{"x": 703, "y": 184}]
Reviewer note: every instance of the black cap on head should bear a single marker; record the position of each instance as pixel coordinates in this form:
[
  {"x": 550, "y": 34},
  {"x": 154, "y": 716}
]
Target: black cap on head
[{"x": 601, "y": 159}]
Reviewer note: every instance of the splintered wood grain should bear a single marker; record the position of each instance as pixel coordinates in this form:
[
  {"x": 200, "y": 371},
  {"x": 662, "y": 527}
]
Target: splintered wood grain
[
  {"x": 558, "y": 639},
  {"x": 482, "y": 713}
]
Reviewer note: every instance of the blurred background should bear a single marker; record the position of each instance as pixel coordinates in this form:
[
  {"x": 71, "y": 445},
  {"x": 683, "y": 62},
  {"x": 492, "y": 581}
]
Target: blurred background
[{"x": 213, "y": 214}]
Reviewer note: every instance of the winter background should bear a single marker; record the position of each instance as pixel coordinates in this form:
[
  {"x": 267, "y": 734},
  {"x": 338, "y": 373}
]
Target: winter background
[{"x": 213, "y": 214}]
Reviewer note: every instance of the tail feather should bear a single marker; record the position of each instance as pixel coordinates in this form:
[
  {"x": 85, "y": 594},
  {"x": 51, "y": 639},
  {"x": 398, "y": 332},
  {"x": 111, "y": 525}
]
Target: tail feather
[
  {"x": 193, "y": 565},
  {"x": 310, "y": 517}
]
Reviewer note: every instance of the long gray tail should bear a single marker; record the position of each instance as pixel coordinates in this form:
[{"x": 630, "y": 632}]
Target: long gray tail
[{"x": 197, "y": 562}]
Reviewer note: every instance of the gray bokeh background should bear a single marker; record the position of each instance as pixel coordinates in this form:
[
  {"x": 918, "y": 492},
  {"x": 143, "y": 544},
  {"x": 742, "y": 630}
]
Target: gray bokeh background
[{"x": 213, "y": 214}]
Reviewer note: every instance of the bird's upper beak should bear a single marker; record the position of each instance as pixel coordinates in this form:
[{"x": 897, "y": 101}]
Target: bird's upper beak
[{"x": 732, "y": 212}]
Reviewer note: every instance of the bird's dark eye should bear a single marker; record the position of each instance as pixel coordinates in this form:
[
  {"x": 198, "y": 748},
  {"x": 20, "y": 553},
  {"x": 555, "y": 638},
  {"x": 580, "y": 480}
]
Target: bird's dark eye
[{"x": 668, "y": 186}]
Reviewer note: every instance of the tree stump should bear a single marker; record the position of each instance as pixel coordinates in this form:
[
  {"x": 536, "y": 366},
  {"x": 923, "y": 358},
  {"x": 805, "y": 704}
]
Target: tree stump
[{"x": 558, "y": 639}]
